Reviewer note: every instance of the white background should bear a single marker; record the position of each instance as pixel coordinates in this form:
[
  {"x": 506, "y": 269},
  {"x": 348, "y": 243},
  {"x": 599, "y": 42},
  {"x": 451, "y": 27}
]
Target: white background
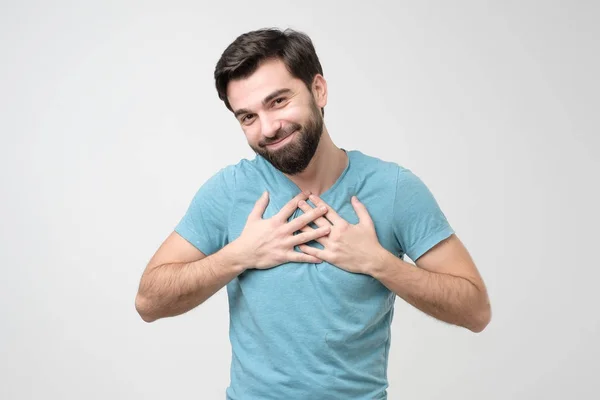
[{"x": 110, "y": 121}]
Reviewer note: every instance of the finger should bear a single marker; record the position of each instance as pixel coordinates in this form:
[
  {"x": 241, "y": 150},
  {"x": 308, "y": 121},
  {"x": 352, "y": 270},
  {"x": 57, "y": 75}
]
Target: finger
[
  {"x": 312, "y": 251},
  {"x": 321, "y": 221},
  {"x": 297, "y": 256},
  {"x": 309, "y": 234},
  {"x": 300, "y": 222},
  {"x": 259, "y": 207},
  {"x": 361, "y": 211},
  {"x": 322, "y": 239},
  {"x": 288, "y": 209},
  {"x": 331, "y": 215}
]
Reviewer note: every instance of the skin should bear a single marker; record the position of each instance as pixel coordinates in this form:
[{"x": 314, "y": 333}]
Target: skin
[
  {"x": 270, "y": 105},
  {"x": 265, "y": 123},
  {"x": 179, "y": 277},
  {"x": 445, "y": 282}
]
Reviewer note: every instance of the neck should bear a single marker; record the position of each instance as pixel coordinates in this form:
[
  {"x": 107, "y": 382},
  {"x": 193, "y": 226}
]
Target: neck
[{"x": 324, "y": 169}]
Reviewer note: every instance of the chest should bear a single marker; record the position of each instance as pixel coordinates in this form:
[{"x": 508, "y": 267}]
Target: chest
[{"x": 321, "y": 286}]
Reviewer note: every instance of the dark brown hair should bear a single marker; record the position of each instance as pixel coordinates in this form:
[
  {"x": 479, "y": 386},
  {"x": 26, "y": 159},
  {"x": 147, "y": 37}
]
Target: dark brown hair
[{"x": 245, "y": 54}]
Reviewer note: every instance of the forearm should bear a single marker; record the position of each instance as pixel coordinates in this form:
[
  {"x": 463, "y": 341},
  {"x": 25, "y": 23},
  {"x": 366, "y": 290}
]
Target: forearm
[
  {"x": 448, "y": 298},
  {"x": 172, "y": 289}
]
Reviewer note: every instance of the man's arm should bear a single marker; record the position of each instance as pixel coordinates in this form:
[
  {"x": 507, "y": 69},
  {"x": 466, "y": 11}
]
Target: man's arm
[
  {"x": 445, "y": 283},
  {"x": 180, "y": 277},
  {"x": 168, "y": 288}
]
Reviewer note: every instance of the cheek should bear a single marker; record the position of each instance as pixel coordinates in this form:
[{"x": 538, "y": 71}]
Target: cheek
[
  {"x": 253, "y": 135},
  {"x": 294, "y": 114},
  {"x": 248, "y": 134}
]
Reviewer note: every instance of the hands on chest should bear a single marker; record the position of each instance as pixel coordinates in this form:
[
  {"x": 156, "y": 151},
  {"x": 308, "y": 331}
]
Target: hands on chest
[
  {"x": 270, "y": 242},
  {"x": 352, "y": 247}
]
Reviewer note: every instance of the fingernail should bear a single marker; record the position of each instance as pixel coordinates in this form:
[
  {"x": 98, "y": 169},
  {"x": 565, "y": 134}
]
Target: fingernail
[{"x": 323, "y": 208}]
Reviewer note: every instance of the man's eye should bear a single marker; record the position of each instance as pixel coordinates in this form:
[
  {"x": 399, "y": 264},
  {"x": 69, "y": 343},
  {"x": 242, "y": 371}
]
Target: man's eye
[
  {"x": 245, "y": 119},
  {"x": 279, "y": 100}
]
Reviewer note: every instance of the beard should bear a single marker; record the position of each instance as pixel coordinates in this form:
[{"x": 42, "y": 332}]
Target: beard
[{"x": 295, "y": 156}]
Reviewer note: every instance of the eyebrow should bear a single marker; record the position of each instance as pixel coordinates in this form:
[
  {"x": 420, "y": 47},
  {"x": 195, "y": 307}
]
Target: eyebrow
[{"x": 267, "y": 99}]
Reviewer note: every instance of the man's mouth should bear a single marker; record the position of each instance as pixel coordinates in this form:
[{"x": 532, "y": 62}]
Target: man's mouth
[{"x": 280, "y": 140}]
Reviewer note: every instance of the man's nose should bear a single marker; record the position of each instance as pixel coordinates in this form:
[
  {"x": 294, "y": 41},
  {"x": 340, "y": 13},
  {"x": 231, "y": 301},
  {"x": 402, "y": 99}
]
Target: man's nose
[{"x": 270, "y": 126}]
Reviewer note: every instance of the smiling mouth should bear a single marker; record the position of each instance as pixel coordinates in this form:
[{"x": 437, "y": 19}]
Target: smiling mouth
[{"x": 280, "y": 140}]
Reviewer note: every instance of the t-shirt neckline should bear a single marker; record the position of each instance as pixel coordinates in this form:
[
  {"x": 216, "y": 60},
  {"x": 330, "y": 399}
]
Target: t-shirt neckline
[{"x": 295, "y": 189}]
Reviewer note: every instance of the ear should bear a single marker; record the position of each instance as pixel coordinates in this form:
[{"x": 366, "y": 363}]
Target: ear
[{"x": 319, "y": 90}]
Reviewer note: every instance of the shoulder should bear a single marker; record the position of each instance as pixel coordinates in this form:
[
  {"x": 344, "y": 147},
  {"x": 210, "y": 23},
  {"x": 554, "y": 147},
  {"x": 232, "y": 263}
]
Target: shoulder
[
  {"x": 370, "y": 166},
  {"x": 390, "y": 174},
  {"x": 231, "y": 174}
]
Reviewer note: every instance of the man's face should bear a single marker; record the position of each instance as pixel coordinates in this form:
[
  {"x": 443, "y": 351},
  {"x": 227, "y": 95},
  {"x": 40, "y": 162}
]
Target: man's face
[{"x": 279, "y": 116}]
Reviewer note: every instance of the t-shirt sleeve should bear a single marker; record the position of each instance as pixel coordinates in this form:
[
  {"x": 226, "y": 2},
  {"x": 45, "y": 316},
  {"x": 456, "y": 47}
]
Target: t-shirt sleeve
[
  {"x": 205, "y": 223},
  {"x": 419, "y": 223}
]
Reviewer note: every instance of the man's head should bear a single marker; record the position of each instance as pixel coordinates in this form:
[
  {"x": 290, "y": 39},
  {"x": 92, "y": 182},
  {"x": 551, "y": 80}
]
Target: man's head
[{"x": 273, "y": 83}]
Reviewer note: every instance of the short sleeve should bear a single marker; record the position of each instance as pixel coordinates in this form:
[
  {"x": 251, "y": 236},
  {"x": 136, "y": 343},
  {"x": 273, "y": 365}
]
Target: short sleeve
[
  {"x": 205, "y": 223},
  {"x": 419, "y": 223}
]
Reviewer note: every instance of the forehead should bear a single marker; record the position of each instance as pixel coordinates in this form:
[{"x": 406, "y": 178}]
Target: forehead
[{"x": 268, "y": 77}]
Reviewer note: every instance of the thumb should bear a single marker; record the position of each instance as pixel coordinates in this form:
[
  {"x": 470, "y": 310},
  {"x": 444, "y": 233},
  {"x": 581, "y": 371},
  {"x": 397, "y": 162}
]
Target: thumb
[
  {"x": 361, "y": 211},
  {"x": 260, "y": 206}
]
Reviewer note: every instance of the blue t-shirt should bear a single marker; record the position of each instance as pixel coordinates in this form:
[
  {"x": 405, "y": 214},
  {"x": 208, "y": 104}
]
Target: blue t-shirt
[{"x": 313, "y": 331}]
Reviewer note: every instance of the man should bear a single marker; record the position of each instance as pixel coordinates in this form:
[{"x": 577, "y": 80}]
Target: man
[{"x": 311, "y": 281}]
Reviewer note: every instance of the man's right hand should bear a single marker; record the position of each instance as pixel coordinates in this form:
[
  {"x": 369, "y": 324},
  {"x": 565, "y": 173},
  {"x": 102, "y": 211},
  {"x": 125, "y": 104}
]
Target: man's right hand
[{"x": 267, "y": 243}]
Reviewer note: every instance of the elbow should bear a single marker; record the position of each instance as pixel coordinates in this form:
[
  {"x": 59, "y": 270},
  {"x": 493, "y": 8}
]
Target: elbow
[
  {"x": 481, "y": 319},
  {"x": 143, "y": 307}
]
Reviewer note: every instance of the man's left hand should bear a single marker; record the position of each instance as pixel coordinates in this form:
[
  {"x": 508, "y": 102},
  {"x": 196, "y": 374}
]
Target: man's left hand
[{"x": 351, "y": 247}]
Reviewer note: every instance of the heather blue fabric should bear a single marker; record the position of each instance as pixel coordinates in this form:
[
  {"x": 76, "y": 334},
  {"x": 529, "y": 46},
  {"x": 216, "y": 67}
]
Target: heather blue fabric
[{"x": 306, "y": 331}]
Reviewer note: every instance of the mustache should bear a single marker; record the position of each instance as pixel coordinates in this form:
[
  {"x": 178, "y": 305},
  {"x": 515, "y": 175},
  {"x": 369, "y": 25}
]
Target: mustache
[{"x": 281, "y": 134}]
